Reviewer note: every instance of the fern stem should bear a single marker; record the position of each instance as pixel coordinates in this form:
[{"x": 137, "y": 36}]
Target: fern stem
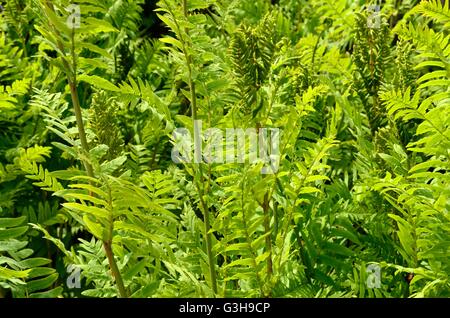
[
  {"x": 77, "y": 107},
  {"x": 72, "y": 80},
  {"x": 185, "y": 8},
  {"x": 266, "y": 213},
  {"x": 80, "y": 125},
  {"x": 207, "y": 222},
  {"x": 84, "y": 145},
  {"x": 107, "y": 245}
]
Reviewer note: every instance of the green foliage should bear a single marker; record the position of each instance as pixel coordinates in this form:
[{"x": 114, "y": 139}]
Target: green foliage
[
  {"x": 87, "y": 114},
  {"x": 22, "y": 275}
]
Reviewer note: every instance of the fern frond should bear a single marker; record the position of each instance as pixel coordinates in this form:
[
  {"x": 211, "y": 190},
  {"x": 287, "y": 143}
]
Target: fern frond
[
  {"x": 25, "y": 276},
  {"x": 434, "y": 126},
  {"x": 436, "y": 9}
]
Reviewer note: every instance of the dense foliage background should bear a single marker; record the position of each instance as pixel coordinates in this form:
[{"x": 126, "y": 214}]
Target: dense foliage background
[{"x": 91, "y": 203}]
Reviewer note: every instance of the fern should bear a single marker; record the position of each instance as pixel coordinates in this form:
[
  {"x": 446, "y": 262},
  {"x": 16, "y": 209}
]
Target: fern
[
  {"x": 252, "y": 52},
  {"x": 23, "y": 275},
  {"x": 438, "y": 10},
  {"x": 359, "y": 174}
]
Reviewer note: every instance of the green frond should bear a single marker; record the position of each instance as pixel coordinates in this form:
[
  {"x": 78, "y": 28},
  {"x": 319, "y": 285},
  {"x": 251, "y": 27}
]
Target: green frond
[
  {"x": 435, "y": 9},
  {"x": 23, "y": 275}
]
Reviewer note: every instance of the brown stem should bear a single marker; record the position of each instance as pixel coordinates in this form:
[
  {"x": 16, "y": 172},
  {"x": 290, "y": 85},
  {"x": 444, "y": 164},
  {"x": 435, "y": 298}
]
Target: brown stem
[
  {"x": 72, "y": 80},
  {"x": 80, "y": 125},
  {"x": 107, "y": 245}
]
